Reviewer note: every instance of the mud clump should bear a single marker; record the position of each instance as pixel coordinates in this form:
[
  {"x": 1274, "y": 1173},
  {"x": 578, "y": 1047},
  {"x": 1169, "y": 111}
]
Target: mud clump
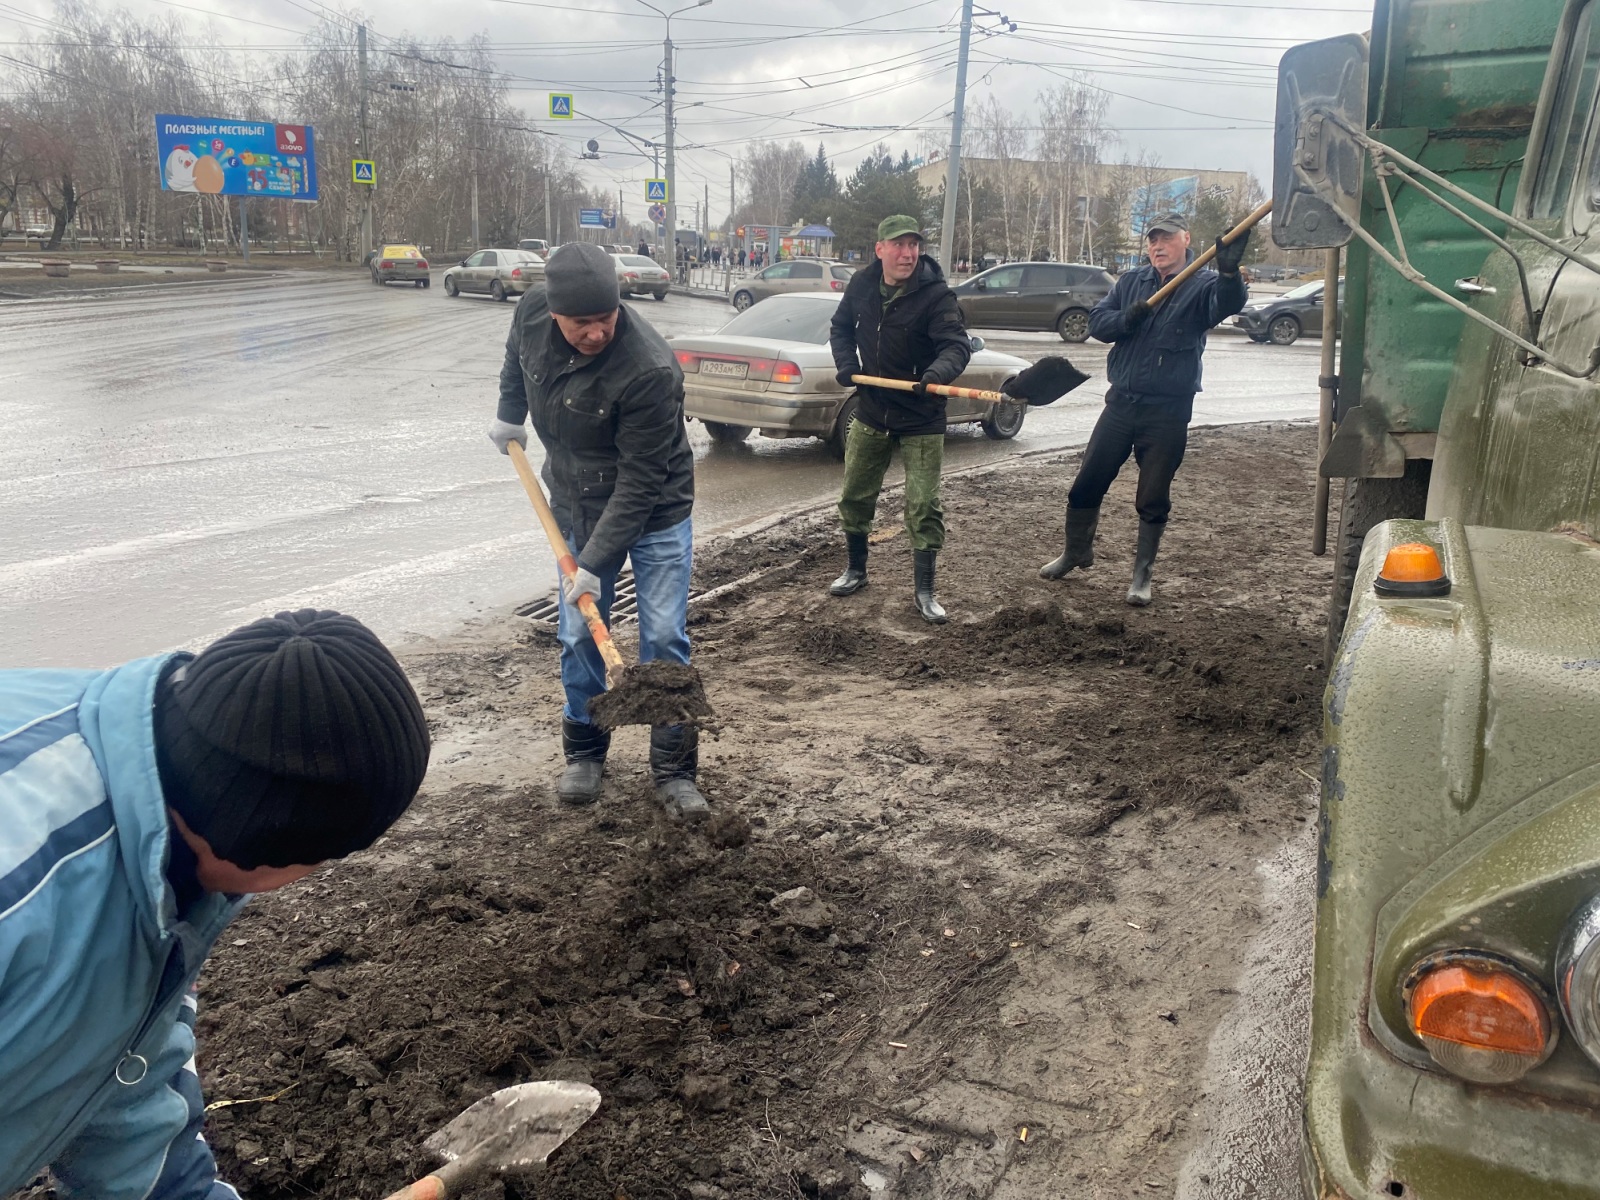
[
  {"x": 827, "y": 644},
  {"x": 654, "y": 693}
]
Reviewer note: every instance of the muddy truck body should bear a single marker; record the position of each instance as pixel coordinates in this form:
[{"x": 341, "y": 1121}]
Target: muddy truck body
[{"x": 1455, "y": 152}]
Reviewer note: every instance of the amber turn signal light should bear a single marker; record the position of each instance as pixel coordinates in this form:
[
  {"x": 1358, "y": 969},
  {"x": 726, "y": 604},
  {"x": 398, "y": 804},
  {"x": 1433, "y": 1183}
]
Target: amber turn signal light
[
  {"x": 1481, "y": 1021},
  {"x": 1412, "y": 569}
]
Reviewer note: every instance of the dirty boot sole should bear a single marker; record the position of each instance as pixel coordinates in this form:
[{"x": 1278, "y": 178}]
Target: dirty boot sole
[
  {"x": 682, "y": 801},
  {"x": 579, "y": 785}
]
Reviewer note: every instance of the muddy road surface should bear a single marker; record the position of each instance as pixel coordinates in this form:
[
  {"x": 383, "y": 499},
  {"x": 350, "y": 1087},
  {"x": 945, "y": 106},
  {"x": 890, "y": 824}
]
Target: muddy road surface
[
  {"x": 972, "y": 919},
  {"x": 222, "y": 452}
]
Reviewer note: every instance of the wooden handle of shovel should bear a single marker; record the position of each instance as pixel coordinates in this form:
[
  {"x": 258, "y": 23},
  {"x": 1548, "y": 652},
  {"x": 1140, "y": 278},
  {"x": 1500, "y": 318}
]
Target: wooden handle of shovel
[
  {"x": 452, "y": 1178},
  {"x": 569, "y": 568},
  {"x": 1210, "y": 252},
  {"x": 938, "y": 389}
]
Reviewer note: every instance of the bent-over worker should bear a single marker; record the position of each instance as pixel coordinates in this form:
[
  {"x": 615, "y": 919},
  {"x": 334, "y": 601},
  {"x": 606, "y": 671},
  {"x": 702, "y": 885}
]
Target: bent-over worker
[
  {"x": 1154, "y": 371},
  {"x": 138, "y": 808},
  {"x": 898, "y": 320},
  {"x": 605, "y": 394}
]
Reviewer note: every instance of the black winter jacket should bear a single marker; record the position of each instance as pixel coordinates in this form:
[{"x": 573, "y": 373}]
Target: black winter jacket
[
  {"x": 1160, "y": 359},
  {"x": 921, "y": 331},
  {"x": 617, "y": 458}
]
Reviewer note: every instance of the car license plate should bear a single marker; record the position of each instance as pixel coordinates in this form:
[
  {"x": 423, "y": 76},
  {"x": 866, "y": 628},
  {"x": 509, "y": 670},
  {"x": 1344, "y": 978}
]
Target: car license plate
[{"x": 724, "y": 370}]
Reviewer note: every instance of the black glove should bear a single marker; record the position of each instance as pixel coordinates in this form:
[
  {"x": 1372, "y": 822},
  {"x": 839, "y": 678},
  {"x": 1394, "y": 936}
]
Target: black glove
[
  {"x": 927, "y": 378},
  {"x": 845, "y": 378},
  {"x": 1231, "y": 254},
  {"x": 1136, "y": 314}
]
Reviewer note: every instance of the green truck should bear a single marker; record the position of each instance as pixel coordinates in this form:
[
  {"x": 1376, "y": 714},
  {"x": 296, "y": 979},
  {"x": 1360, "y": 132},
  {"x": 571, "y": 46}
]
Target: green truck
[{"x": 1455, "y": 152}]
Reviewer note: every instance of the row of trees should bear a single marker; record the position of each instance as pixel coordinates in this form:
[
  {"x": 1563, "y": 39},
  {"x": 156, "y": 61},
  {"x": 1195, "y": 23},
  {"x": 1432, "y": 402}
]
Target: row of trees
[
  {"x": 77, "y": 142},
  {"x": 1032, "y": 186}
]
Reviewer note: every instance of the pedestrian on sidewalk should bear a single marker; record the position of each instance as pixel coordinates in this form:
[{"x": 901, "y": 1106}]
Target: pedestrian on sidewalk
[
  {"x": 644, "y": 248},
  {"x": 1154, "y": 372},
  {"x": 139, "y": 808},
  {"x": 900, "y": 320},
  {"x": 605, "y": 395}
]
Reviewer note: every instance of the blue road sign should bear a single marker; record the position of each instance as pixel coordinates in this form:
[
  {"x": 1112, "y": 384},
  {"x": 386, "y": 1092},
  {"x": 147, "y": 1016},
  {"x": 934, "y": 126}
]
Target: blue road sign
[
  {"x": 655, "y": 191},
  {"x": 363, "y": 171},
  {"x": 561, "y": 105}
]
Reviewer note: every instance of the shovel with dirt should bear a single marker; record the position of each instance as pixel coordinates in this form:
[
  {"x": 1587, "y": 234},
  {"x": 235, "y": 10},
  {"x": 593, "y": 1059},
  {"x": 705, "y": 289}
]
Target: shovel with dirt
[
  {"x": 1045, "y": 382},
  {"x": 513, "y": 1130},
  {"x": 652, "y": 693}
]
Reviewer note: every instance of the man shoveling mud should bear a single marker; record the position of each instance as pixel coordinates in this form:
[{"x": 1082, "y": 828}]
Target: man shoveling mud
[
  {"x": 605, "y": 395},
  {"x": 138, "y": 807},
  {"x": 1154, "y": 369}
]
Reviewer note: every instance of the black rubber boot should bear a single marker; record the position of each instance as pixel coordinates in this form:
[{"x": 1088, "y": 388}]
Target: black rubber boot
[
  {"x": 1144, "y": 561},
  {"x": 1079, "y": 551},
  {"x": 674, "y": 763},
  {"x": 927, "y": 605},
  {"x": 855, "y": 575},
  {"x": 585, "y": 746}
]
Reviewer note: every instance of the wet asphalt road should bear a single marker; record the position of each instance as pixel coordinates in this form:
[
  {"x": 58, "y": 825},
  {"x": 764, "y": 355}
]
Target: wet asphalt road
[{"x": 181, "y": 460}]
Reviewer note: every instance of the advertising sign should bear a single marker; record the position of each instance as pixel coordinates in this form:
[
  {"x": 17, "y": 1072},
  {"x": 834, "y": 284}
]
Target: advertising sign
[
  {"x": 655, "y": 191},
  {"x": 218, "y": 156},
  {"x": 561, "y": 106},
  {"x": 596, "y": 218},
  {"x": 1149, "y": 202}
]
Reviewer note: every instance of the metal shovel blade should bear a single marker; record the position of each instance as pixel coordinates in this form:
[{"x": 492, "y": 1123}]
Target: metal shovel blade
[{"x": 518, "y": 1127}]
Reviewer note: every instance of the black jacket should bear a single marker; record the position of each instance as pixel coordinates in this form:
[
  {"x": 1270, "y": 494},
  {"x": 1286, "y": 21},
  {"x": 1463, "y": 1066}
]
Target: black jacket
[
  {"x": 921, "y": 331},
  {"x": 617, "y": 458},
  {"x": 1160, "y": 358}
]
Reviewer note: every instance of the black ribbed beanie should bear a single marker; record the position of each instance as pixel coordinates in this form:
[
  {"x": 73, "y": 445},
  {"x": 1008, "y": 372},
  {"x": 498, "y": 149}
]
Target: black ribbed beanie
[{"x": 292, "y": 740}]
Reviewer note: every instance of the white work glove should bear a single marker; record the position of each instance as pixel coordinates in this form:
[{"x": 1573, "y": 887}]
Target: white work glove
[
  {"x": 503, "y": 433},
  {"x": 580, "y": 582}
]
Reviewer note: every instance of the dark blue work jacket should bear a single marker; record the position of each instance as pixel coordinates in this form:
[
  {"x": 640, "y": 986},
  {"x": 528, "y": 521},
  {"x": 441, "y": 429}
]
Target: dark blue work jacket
[{"x": 1160, "y": 358}]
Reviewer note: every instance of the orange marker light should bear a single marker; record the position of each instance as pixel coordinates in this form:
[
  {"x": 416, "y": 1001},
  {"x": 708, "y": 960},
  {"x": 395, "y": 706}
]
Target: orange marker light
[
  {"x": 1481, "y": 1022},
  {"x": 1412, "y": 569}
]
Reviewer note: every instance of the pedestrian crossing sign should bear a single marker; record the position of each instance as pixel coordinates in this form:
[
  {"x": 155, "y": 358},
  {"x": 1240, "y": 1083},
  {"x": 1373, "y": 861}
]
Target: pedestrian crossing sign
[
  {"x": 561, "y": 106},
  {"x": 655, "y": 191},
  {"x": 363, "y": 170}
]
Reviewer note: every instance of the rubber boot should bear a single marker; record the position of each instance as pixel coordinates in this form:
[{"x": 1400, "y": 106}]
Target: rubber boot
[
  {"x": 1079, "y": 551},
  {"x": 674, "y": 763},
  {"x": 585, "y": 746},
  {"x": 1144, "y": 561},
  {"x": 927, "y": 605},
  {"x": 855, "y": 575}
]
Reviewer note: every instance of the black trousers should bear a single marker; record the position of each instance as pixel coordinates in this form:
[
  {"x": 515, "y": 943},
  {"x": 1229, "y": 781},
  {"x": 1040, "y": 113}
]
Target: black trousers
[{"x": 1155, "y": 432}]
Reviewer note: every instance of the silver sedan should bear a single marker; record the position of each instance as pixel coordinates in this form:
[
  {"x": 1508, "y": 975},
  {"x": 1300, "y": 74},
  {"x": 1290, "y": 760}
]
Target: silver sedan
[
  {"x": 637, "y": 275},
  {"x": 770, "y": 369},
  {"x": 499, "y": 274}
]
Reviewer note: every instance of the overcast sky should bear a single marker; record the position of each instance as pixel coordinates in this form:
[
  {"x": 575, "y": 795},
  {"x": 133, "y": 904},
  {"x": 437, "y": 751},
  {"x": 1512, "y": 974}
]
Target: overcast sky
[{"x": 1190, "y": 82}]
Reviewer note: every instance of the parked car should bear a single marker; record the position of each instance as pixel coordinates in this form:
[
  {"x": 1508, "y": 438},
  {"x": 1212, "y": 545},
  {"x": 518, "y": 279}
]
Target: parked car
[
  {"x": 1268, "y": 272},
  {"x": 538, "y": 245},
  {"x": 770, "y": 369},
  {"x": 1281, "y": 320},
  {"x": 400, "y": 263},
  {"x": 791, "y": 275},
  {"x": 1034, "y": 295},
  {"x": 638, "y": 275},
  {"x": 498, "y": 273}
]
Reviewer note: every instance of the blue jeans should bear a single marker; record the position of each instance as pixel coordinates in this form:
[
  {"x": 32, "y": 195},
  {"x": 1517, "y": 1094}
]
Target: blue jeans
[{"x": 661, "y": 565}]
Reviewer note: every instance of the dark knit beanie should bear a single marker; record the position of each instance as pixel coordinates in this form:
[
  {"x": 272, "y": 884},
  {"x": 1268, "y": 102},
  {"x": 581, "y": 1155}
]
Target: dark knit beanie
[
  {"x": 580, "y": 280},
  {"x": 290, "y": 741}
]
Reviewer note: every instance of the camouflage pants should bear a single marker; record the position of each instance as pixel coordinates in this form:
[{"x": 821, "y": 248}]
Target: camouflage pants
[{"x": 866, "y": 458}]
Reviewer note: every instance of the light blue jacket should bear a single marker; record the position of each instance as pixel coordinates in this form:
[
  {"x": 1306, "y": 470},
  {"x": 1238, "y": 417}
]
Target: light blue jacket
[{"x": 97, "y": 1077}]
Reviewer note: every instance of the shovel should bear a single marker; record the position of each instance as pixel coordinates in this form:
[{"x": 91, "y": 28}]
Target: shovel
[
  {"x": 652, "y": 693},
  {"x": 514, "y": 1129},
  {"x": 1045, "y": 382},
  {"x": 1206, "y": 255}
]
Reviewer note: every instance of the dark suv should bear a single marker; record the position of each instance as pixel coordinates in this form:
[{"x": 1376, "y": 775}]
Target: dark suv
[
  {"x": 1282, "y": 320},
  {"x": 1034, "y": 296}
]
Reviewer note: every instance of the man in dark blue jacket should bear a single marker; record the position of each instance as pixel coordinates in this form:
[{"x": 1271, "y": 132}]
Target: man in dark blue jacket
[{"x": 1154, "y": 370}]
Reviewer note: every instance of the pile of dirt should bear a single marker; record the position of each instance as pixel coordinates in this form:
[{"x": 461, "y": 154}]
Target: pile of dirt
[{"x": 964, "y": 882}]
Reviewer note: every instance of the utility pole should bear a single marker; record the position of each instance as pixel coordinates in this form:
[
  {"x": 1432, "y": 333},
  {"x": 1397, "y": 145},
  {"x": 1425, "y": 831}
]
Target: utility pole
[
  {"x": 475, "y": 240},
  {"x": 952, "y": 179},
  {"x": 670, "y": 243},
  {"x": 727, "y": 242},
  {"x": 366, "y": 203},
  {"x": 549, "y": 235}
]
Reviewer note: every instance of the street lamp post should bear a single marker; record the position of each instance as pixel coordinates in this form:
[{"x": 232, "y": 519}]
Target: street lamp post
[{"x": 669, "y": 246}]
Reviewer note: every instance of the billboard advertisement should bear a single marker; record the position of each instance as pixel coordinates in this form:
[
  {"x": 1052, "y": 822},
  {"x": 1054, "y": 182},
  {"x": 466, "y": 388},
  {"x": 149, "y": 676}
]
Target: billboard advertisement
[
  {"x": 596, "y": 218},
  {"x": 1172, "y": 195},
  {"x": 219, "y": 156}
]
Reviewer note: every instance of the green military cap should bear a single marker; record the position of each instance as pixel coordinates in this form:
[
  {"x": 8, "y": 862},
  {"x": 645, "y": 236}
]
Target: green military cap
[{"x": 897, "y": 226}]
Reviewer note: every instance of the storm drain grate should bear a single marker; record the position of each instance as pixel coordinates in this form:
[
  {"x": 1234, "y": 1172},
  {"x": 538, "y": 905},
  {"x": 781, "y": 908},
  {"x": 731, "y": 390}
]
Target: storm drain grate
[{"x": 624, "y": 608}]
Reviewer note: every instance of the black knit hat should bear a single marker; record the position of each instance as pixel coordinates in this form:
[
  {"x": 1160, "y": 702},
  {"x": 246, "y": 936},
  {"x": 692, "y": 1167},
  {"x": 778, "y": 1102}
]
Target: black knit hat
[{"x": 294, "y": 739}]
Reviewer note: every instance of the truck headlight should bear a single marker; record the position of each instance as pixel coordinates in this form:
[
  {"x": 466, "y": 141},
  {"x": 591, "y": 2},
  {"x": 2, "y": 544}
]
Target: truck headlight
[
  {"x": 1480, "y": 1017},
  {"x": 1578, "y": 976}
]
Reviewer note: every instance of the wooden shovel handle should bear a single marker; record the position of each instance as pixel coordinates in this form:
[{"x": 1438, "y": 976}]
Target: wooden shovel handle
[
  {"x": 938, "y": 389},
  {"x": 1208, "y": 254},
  {"x": 569, "y": 568},
  {"x": 452, "y": 1178}
]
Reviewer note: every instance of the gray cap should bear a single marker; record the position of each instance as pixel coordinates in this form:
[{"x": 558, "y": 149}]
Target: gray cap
[
  {"x": 1168, "y": 222},
  {"x": 580, "y": 280}
]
